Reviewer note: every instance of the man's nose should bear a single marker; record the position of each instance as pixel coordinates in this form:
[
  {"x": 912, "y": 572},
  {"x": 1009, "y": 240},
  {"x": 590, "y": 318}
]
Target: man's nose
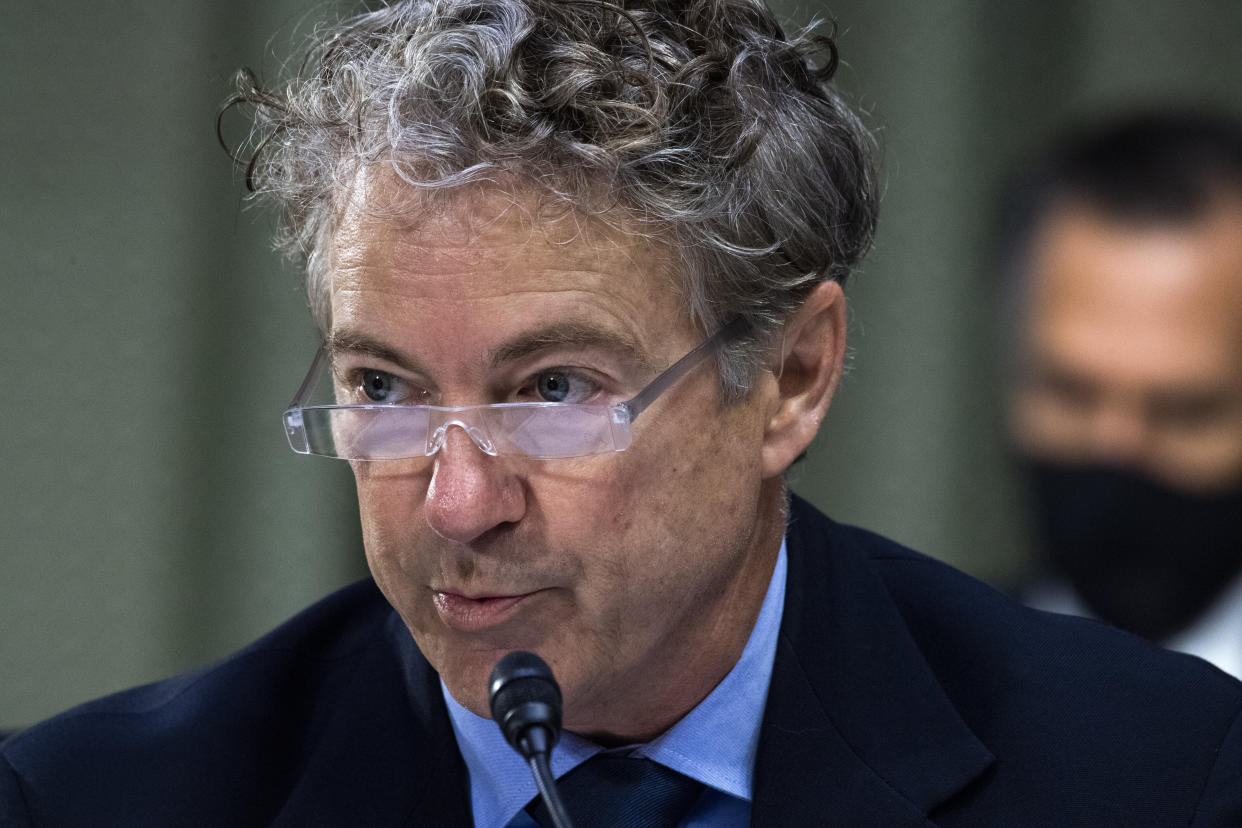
[{"x": 471, "y": 492}]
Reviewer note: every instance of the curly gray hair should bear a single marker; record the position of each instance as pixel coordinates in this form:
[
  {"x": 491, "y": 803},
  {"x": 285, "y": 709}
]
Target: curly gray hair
[{"x": 699, "y": 123}]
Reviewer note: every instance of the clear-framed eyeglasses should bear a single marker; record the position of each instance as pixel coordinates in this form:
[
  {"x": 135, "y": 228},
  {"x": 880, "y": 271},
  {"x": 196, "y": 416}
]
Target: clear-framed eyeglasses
[{"x": 544, "y": 430}]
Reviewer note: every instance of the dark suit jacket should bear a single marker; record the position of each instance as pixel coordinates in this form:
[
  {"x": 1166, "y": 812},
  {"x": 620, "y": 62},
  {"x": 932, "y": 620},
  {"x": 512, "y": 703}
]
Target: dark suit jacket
[{"x": 904, "y": 694}]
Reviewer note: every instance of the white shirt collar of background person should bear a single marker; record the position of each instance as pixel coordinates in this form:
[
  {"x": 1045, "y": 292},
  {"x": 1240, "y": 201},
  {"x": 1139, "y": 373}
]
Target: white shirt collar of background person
[{"x": 1216, "y": 636}]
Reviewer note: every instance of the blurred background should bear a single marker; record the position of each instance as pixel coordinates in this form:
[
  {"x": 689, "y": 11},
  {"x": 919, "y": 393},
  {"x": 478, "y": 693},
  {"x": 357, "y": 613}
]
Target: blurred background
[{"x": 154, "y": 518}]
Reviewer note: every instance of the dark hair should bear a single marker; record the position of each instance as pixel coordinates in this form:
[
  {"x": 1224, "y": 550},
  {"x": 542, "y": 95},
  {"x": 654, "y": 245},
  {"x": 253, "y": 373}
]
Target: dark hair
[
  {"x": 697, "y": 123},
  {"x": 1146, "y": 168}
]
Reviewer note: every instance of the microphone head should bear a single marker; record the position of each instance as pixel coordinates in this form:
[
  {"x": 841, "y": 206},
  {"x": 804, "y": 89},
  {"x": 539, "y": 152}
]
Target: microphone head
[{"x": 525, "y": 702}]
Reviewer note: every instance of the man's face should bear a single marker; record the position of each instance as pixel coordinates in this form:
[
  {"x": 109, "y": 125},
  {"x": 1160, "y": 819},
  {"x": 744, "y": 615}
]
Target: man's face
[
  {"x": 1132, "y": 346},
  {"x": 636, "y": 575}
]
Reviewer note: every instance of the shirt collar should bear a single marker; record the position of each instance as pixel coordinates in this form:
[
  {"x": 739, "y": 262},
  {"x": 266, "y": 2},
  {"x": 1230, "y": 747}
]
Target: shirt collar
[
  {"x": 715, "y": 743},
  {"x": 1216, "y": 635}
]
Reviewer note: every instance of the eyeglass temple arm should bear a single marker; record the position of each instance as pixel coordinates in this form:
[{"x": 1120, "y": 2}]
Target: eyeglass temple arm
[
  {"x": 304, "y": 390},
  {"x": 725, "y": 336}
]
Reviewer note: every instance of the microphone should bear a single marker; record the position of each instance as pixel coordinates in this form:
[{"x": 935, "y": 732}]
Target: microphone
[{"x": 526, "y": 705}]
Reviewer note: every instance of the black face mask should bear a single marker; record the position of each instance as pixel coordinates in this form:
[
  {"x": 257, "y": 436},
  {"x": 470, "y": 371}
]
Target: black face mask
[{"x": 1144, "y": 556}]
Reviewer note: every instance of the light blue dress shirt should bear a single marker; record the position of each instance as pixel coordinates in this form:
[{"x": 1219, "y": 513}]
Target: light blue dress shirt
[{"x": 715, "y": 743}]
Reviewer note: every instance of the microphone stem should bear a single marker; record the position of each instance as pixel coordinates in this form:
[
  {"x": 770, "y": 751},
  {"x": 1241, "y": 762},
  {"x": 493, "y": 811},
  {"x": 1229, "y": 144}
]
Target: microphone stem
[{"x": 547, "y": 789}]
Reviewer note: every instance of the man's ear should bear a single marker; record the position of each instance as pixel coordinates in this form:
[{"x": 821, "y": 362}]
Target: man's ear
[{"x": 805, "y": 372}]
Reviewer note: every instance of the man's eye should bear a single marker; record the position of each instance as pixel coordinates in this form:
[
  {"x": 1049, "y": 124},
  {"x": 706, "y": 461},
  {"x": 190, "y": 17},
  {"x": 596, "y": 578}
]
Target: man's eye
[
  {"x": 563, "y": 386},
  {"x": 552, "y": 387},
  {"x": 378, "y": 386}
]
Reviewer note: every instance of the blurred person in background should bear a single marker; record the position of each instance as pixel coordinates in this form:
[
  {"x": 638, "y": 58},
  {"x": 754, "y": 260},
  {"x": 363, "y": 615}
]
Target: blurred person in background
[{"x": 1123, "y": 264}]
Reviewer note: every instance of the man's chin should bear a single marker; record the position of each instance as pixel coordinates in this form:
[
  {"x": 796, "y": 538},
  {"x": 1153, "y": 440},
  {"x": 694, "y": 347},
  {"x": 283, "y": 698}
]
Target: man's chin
[
  {"x": 464, "y": 661},
  {"x": 467, "y": 677}
]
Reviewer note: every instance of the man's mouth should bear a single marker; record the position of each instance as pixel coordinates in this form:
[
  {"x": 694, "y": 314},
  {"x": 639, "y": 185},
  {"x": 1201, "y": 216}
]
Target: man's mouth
[{"x": 479, "y": 612}]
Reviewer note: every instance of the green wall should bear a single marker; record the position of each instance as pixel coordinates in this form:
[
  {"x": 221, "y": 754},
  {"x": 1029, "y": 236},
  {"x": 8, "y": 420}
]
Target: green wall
[{"x": 154, "y": 518}]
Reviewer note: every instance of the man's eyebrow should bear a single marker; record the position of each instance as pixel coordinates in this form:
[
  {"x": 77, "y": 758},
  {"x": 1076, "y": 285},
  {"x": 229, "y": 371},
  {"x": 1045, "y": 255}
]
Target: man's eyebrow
[
  {"x": 561, "y": 335},
  {"x": 567, "y": 336},
  {"x": 356, "y": 342}
]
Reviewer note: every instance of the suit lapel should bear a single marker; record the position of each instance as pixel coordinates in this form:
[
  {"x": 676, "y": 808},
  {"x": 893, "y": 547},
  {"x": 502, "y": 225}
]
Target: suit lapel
[
  {"x": 444, "y": 798},
  {"x": 857, "y": 730},
  {"x": 387, "y": 755}
]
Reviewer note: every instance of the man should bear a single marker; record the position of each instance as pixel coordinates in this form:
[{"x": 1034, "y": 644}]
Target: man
[
  {"x": 532, "y": 230},
  {"x": 1126, "y": 397}
]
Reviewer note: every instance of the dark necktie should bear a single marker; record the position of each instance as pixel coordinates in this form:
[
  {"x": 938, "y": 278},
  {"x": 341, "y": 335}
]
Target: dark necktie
[{"x": 612, "y": 791}]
